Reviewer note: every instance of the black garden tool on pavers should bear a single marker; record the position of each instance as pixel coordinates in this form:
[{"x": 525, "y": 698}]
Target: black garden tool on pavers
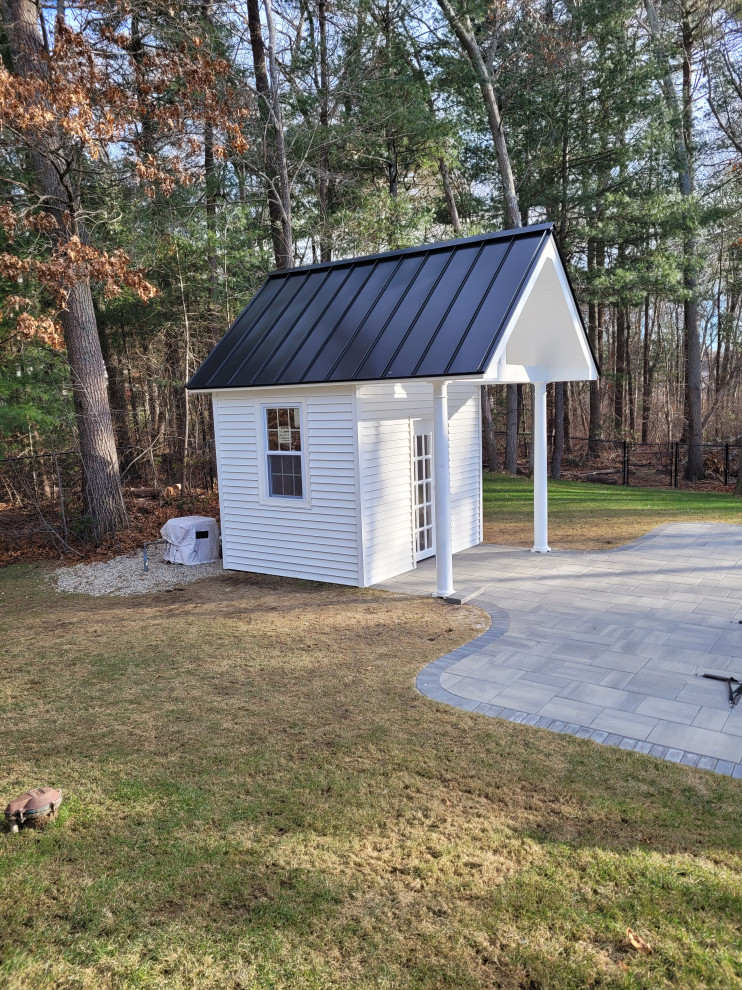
[{"x": 735, "y": 693}]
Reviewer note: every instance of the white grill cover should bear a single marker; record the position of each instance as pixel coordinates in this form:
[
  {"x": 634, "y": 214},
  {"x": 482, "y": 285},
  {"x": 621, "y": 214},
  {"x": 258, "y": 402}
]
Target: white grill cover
[{"x": 186, "y": 542}]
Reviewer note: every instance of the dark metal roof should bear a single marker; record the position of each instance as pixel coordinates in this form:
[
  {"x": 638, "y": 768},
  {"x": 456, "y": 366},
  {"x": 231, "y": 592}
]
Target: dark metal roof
[{"x": 427, "y": 312}]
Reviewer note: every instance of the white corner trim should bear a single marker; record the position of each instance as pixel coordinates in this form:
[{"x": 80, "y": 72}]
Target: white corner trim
[
  {"x": 222, "y": 513},
  {"x": 363, "y": 576}
]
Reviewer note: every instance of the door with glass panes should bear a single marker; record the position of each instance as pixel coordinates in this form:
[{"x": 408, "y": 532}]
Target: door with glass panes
[{"x": 422, "y": 492}]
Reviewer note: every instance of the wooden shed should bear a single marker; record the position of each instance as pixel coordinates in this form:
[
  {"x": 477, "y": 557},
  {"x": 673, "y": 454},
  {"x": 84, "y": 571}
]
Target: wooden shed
[{"x": 346, "y": 403}]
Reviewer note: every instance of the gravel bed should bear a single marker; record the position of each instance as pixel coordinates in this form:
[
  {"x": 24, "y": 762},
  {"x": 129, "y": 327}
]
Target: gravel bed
[{"x": 126, "y": 576}]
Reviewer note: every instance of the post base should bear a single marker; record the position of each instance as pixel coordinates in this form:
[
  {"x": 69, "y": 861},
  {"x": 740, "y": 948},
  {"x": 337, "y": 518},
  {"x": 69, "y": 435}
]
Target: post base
[
  {"x": 444, "y": 594},
  {"x": 540, "y": 549}
]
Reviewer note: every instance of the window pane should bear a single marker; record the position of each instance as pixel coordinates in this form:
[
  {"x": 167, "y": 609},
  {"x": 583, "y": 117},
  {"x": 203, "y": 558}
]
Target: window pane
[
  {"x": 295, "y": 440},
  {"x": 276, "y": 478},
  {"x": 294, "y": 417},
  {"x": 271, "y": 418},
  {"x": 284, "y": 475},
  {"x": 272, "y": 439},
  {"x": 426, "y": 443},
  {"x": 283, "y": 417}
]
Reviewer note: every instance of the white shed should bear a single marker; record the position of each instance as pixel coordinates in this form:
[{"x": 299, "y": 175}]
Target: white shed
[{"x": 347, "y": 411}]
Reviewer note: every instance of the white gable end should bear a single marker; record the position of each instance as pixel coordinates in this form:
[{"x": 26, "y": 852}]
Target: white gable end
[{"x": 544, "y": 340}]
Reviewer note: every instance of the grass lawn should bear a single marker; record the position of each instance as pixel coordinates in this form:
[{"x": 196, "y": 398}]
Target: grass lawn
[
  {"x": 256, "y": 797},
  {"x": 586, "y": 516}
]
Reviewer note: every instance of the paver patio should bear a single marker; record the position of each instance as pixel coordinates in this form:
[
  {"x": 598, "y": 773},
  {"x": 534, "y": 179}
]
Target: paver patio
[{"x": 607, "y": 645}]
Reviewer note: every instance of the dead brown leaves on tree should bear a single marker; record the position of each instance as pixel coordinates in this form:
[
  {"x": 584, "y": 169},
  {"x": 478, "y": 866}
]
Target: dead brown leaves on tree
[{"x": 86, "y": 100}]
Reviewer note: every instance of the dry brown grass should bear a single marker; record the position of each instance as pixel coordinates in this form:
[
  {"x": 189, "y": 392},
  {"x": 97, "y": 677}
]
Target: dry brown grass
[{"x": 258, "y": 798}]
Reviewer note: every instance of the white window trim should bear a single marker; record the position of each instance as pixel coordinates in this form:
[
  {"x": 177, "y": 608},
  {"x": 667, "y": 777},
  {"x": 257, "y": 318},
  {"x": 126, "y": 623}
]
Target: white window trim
[{"x": 285, "y": 503}]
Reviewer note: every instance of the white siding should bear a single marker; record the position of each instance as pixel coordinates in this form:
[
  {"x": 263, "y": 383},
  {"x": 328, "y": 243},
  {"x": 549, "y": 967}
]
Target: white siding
[
  {"x": 319, "y": 541},
  {"x": 386, "y": 415},
  {"x": 385, "y": 464},
  {"x": 465, "y": 438}
]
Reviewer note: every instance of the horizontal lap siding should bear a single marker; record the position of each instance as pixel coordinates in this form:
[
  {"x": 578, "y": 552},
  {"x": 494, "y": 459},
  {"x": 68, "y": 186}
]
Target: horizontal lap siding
[
  {"x": 386, "y": 475},
  {"x": 385, "y": 429},
  {"x": 319, "y": 542},
  {"x": 464, "y": 430}
]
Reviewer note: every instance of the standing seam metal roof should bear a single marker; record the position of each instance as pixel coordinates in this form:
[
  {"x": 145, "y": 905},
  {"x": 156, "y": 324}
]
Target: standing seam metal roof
[{"x": 431, "y": 311}]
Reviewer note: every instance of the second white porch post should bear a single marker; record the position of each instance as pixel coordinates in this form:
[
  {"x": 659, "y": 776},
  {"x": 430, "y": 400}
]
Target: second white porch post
[
  {"x": 540, "y": 472},
  {"x": 442, "y": 504}
]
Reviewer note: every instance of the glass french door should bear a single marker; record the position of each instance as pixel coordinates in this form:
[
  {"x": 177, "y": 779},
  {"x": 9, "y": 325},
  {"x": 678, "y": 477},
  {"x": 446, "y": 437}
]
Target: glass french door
[{"x": 422, "y": 461}]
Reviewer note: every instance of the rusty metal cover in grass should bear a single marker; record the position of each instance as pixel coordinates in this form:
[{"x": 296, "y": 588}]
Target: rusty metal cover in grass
[{"x": 34, "y": 809}]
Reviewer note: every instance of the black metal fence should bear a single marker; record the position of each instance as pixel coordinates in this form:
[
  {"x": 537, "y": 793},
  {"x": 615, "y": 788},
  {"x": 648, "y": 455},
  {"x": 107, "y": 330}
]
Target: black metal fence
[
  {"x": 624, "y": 462},
  {"x": 50, "y": 484}
]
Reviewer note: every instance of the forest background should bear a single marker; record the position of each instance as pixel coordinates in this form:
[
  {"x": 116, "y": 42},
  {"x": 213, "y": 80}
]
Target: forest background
[{"x": 159, "y": 159}]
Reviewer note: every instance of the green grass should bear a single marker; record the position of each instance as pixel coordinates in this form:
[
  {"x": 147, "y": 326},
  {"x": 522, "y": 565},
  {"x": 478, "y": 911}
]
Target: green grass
[
  {"x": 256, "y": 797},
  {"x": 586, "y": 516}
]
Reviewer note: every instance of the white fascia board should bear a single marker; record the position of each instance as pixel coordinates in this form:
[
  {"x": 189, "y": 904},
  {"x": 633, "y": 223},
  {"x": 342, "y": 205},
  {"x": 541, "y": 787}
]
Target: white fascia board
[
  {"x": 313, "y": 385},
  {"x": 498, "y": 371}
]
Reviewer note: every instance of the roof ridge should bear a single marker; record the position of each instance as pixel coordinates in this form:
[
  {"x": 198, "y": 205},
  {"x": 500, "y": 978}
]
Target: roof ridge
[{"x": 417, "y": 249}]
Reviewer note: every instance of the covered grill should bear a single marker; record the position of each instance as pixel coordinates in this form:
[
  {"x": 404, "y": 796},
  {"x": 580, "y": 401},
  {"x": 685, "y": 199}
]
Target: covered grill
[{"x": 191, "y": 540}]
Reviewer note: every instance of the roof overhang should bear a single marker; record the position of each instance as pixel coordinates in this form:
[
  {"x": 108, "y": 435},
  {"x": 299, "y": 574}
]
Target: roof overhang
[
  {"x": 544, "y": 339},
  {"x": 494, "y": 309}
]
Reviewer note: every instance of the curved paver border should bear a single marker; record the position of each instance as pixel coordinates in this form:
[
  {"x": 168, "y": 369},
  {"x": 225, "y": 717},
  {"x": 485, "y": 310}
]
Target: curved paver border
[{"x": 428, "y": 683}]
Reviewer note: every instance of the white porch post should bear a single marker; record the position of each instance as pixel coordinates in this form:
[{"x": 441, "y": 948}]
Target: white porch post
[
  {"x": 540, "y": 473},
  {"x": 442, "y": 505}
]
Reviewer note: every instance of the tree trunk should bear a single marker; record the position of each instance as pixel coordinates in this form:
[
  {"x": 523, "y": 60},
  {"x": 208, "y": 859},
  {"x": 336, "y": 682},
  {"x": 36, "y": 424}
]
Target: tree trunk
[
  {"x": 490, "y": 440},
  {"x": 210, "y": 182},
  {"x": 511, "y": 430},
  {"x": 594, "y": 428},
  {"x": 462, "y": 27},
  {"x": 116, "y": 394},
  {"x": 325, "y": 236},
  {"x": 620, "y": 349},
  {"x": 103, "y": 498},
  {"x": 647, "y": 373},
  {"x": 629, "y": 377},
  {"x": 683, "y": 119},
  {"x": 453, "y": 211},
  {"x": 276, "y": 171},
  {"x": 557, "y": 450},
  {"x": 102, "y": 495}
]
